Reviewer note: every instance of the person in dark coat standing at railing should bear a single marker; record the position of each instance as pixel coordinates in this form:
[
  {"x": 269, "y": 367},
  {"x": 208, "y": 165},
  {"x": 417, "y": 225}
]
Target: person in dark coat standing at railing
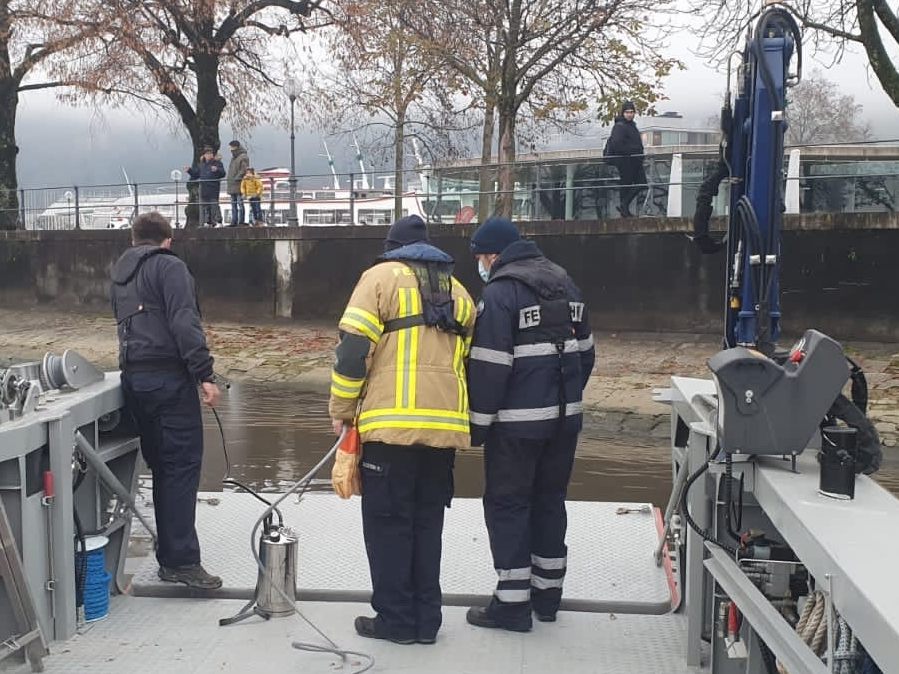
[
  {"x": 209, "y": 172},
  {"x": 624, "y": 151}
]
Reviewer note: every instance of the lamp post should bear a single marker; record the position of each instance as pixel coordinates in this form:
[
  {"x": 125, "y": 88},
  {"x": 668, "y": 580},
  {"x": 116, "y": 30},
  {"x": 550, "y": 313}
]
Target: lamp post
[
  {"x": 68, "y": 195},
  {"x": 176, "y": 177},
  {"x": 292, "y": 89}
]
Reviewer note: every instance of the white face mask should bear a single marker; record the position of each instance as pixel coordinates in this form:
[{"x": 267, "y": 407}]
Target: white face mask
[{"x": 483, "y": 271}]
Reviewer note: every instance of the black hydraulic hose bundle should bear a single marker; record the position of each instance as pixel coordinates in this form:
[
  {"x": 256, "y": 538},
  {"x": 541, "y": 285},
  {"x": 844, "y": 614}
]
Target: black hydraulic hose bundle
[{"x": 705, "y": 535}]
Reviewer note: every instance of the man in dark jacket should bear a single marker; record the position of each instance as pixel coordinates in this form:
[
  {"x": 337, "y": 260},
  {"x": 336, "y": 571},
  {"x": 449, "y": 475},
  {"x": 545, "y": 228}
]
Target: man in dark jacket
[
  {"x": 164, "y": 358},
  {"x": 237, "y": 169},
  {"x": 625, "y": 152},
  {"x": 531, "y": 357},
  {"x": 209, "y": 173}
]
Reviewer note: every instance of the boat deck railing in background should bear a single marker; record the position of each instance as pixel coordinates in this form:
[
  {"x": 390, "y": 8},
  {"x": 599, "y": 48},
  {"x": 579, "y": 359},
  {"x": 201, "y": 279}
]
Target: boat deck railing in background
[{"x": 548, "y": 188}]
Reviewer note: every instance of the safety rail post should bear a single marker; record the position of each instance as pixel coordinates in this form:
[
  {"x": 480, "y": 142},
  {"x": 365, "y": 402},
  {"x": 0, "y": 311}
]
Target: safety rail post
[
  {"x": 136, "y": 202},
  {"x": 535, "y": 206},
  {"x": 77, "y": 208},
  {"x": 352, "y": 198},
  {"x": 22, "y": 211}
]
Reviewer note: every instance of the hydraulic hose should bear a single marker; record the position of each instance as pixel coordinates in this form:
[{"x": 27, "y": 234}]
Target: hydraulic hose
[{"x": 705, "y": 535}]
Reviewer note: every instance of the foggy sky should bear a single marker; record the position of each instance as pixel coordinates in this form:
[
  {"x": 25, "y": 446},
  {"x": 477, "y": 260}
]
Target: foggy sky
[{"x": 60, "y": 145}]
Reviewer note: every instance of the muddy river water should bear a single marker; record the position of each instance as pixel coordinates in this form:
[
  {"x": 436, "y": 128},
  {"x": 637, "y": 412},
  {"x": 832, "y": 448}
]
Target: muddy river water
[{"x": 275, "y": 435}]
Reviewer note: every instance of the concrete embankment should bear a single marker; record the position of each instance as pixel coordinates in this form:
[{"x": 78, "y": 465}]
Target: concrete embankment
[{"x": 838, "y": 271}]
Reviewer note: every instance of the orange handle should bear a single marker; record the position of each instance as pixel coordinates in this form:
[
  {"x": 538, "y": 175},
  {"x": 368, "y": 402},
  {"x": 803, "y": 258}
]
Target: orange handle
[{"x": 351, "y": 443}]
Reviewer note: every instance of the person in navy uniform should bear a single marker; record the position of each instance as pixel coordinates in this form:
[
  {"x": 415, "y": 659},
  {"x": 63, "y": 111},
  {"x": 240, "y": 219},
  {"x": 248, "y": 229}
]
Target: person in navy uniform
[
  {"x": 164, "y": 361},
  {"x": 531, "y": 357}
]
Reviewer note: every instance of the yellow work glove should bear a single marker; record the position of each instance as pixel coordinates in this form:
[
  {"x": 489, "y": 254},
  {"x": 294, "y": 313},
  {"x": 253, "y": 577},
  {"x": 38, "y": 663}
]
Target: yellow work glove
[{"x": 345, "y": 477}]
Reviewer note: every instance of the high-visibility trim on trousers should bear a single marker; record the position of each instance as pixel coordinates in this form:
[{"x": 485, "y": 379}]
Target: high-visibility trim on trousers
[
  {"x": 540, "y": 583},
  {"x": 512, "y": 596},
  {"x": 514, "y": 574},
  {"x": 548, "y": 562}
]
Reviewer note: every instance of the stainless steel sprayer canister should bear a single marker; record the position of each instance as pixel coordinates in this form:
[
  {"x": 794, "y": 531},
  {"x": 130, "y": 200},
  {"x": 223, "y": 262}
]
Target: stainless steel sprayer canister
[{"x": 278, "y": 552}]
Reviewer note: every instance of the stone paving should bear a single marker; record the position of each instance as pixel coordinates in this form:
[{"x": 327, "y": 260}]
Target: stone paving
[{"x": 619, "y": 396}]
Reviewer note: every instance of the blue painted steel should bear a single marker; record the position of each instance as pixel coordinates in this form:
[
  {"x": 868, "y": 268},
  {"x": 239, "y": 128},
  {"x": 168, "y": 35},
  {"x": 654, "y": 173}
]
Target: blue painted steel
[{"x": 756, "y": 154}]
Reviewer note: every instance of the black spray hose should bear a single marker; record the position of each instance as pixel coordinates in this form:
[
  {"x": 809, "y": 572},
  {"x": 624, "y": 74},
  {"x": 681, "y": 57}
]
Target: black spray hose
[{"x": 231, "y": 481}]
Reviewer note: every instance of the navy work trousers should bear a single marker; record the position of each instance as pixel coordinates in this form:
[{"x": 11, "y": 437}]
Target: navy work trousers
[
  {"x": 165, "y": 406},
  {"x": 526, "y": 482},
  {"x": 404, "y": 493}
]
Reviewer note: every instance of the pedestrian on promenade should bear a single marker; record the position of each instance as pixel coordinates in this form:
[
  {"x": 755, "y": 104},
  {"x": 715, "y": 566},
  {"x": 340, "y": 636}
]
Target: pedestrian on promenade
[
  {"x": 625, "y": 152},
  {"x": 530, "y": 360},
  {"x": 164, "y": 360},
  {"x": 400, "y": 378},
  {"x": 209, "y": 172},
  {"x": 237, "y": 169},
  {"x": 251, "y": 188}
]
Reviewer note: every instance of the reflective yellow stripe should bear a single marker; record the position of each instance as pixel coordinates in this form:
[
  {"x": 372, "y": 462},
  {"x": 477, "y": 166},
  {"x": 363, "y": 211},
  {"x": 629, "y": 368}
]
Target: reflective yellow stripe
[
  {"x": 414, "y": 339},
  {"x": 425, "y": 425},
  {"x": 343, "y": 387},
  {"x": 346, "y": 382},
  {"x": 402, "y": 337},
  {"x": 364, "y": 321},
  {"x": 393, "y": 412},
  {"x": 458, "y": 364}
]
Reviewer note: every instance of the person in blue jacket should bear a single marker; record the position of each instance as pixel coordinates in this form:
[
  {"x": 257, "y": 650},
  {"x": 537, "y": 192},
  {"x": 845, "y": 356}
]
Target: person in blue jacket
[{"x": 531, "y": 357}]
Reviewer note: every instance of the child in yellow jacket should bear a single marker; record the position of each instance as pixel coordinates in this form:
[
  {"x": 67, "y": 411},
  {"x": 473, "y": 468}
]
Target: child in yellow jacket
[{"x": 251, "y": 188}]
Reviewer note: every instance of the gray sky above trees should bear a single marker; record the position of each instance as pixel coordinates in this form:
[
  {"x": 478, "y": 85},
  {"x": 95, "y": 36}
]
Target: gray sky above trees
[{"x": 61, "y": 145}]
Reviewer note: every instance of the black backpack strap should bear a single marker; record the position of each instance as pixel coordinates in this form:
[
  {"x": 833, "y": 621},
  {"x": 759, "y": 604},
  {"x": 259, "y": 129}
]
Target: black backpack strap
[{"x": 403, "y": 323}]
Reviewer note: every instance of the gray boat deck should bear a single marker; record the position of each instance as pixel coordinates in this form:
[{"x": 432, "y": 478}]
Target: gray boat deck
[
  {"x": 611, "y": 565},
  {"x": 617, "y": 599},
  {"x": 181, "y": 636}
]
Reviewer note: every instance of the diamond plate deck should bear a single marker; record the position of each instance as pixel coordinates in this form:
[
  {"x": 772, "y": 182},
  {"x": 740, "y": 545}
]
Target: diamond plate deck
[
  {"x": 610, "y": 556},
  {"x": 177, "y": 636}
]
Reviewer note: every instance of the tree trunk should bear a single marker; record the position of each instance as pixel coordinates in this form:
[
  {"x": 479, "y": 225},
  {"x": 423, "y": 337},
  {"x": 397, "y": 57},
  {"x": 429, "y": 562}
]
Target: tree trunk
[
  {"x": 878, "y": 54},
  {"x": 203, "y": 126},
  {"x": 486, "y": 173},
  {"x": 9, "y": 183},
  {"x": 505, "y": 199},
  {"x": 399, "y": 146}
]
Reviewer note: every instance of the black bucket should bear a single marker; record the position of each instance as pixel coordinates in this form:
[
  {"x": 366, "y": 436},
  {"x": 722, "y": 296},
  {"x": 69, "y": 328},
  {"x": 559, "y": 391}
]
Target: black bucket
[{"x": 839, "y": 451}]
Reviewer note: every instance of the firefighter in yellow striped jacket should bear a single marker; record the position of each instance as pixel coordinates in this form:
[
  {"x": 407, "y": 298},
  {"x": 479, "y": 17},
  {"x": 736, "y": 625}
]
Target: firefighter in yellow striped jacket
[{"x": 400, "y": 376}]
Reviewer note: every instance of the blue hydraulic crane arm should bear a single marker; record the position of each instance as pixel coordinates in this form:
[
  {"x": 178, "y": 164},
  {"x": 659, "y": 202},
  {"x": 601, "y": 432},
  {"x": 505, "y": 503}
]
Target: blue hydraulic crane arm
[
  {"x": 752, "y": 152},
  {"x": 757, "y": 139}
]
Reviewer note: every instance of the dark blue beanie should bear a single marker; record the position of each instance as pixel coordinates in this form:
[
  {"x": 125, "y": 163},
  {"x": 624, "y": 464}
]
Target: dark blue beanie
[
  {"x": 494, "y": 236},
  {"x": 404, "y": 231}
]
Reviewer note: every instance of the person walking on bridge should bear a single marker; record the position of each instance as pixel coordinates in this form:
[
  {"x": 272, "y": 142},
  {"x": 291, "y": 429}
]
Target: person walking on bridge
[
  {"x": 531, "y": 358},
  {"x": 625, "y": 151},
  {"x": 400, "y": 378}
]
